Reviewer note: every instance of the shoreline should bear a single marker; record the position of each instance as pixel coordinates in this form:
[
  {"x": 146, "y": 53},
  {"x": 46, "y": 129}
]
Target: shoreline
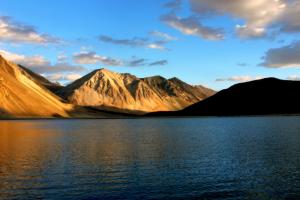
[{"x": 142, "y": 117}]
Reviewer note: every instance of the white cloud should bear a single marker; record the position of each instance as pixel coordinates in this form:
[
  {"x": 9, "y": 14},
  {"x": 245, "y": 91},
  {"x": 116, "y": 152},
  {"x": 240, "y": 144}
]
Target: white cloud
[
  {"x": 293, "y": 78},
  {"x": 240, "y": 78},
  {"x": 91, "y": 57},
  {"x": 162, "y": 35},
  {"x": 73, "y": 77},
  {"x": 35, "y": 60},
  {"x": 134, "y": 42},
  {"x": 63, "y": 77},
  {"x": 289, "y": 20},
  {"x": 257, "y": 14},
  {"x": 253, "y": 18},
  {"x": 85, "y": 57},
  {"x": 250, "y": 32},
  {"x": 40, "y": 64},
  {"x": 11, "y": 31},
  {"x": 192, "y": 26},
  {"x": 156, "y": 46},
  {"x": 282, "y": 57},
  {"x": 61, "y": 57}
]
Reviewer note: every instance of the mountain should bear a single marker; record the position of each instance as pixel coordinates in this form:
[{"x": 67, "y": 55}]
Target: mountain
[
  {"x": 261, "y": 97},
  {"x": 40, "y": 80},
  {"x": 127, "y": 93},
  {"x": 22, "y": 96},
  {"x": 24, "y": 93}
]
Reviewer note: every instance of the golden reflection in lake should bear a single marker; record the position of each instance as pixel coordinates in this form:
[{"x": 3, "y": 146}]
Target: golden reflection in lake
[
  {"x": 31, "y": 149},
  {"x": 23, "y": 143},
  {"x": 196, "y": 158}
]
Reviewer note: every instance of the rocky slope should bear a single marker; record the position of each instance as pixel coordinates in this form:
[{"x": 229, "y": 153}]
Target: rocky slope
[
  {"x": 40, "y": 80},
  {"x": 262, "y": 97},
  {"x": 22, "y": 96},
  {"x": 124, "y": 92}
]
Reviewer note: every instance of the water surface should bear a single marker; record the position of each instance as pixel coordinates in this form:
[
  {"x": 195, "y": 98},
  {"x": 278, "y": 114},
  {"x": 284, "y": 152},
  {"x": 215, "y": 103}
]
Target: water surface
[{"x": 192, "y": 158}]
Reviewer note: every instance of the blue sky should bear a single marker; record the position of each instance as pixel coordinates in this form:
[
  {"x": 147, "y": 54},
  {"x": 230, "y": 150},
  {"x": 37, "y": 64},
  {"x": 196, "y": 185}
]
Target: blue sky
[{"x": 215, "y": 43}]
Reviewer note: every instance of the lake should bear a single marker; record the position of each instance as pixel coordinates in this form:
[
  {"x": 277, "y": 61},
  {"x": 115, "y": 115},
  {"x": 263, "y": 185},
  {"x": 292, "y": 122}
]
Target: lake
[{"x": 180, "y": 158}]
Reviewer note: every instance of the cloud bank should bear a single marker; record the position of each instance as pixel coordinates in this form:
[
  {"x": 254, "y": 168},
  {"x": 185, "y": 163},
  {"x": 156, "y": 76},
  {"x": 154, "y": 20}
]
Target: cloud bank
[
  {"x": 63, "y": 77},
  {"x": 192, "y": 26},
  {"x": 40, "y": 64},
  {"x": 283, "y": 57},
  {"x": 134, "y": 42},
  {"x": 11, "y": 31},
  {"x": 254, "y": 18},
  {"x": 91, "y": 57},
  {"x": 239, "y": 79}
]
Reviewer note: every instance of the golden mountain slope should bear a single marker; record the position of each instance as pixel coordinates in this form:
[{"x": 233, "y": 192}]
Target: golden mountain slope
[
  {"x": 105, "y": 89},
  {"x": 22, "y": 96}
]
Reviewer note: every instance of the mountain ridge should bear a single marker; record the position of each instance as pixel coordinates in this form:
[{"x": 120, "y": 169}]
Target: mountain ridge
[
  {"x": 124, "y": 91},
  {"x": 25, "y": 94}
]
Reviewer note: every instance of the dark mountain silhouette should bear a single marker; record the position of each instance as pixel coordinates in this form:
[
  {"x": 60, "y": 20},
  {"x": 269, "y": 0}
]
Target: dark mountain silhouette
[{"x": 262, "y": 97}]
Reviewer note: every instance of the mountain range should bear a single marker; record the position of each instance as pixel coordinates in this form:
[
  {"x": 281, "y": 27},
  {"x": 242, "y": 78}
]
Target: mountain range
[
  {"x": 100, "y": 93},
  {"x": 103, "y": 93},
  {"x": 108, "y": 90}
]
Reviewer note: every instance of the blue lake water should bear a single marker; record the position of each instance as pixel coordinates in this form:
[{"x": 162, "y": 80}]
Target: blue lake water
[{"x": 189, "y": 158}]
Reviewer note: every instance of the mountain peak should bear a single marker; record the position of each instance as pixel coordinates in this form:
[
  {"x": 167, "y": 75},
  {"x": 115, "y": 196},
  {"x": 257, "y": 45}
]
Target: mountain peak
[
  {"x": 155, "y": 79},
  {"x": 102, "y": 70},
  {"x": 174, "y": 78},
  {"x": 124, "y": 91}
]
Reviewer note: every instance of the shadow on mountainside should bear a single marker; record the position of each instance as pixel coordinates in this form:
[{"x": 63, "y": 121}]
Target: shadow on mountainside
[
  {"x": 4, "y": 114},
  {"x": 268, "y": 96},
  {"x": 94, "y": 112}
]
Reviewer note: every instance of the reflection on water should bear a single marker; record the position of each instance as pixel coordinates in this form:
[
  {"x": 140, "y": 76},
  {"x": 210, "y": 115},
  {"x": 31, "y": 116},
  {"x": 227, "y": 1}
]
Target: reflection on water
[{"x": 213, "y": 158}]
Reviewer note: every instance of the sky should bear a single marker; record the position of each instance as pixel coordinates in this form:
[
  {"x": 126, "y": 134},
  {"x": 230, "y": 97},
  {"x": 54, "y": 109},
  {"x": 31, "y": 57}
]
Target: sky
[{"x": 215, "y": 43}]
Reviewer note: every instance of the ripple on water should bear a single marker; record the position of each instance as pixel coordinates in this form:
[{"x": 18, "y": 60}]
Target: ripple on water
[{"x": 205, "y": 158}]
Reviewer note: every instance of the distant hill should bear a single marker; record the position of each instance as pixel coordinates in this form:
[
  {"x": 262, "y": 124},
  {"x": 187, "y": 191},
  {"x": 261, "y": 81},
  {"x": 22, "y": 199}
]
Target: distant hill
[
  {"x": 261, "y": 97},
  {"x": 108, "y": 90}
]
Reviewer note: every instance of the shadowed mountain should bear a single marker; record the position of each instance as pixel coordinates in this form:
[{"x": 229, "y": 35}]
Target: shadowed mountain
[
  {"x": 127, "y": 93},
  {"x": 38, "y": 79},
  {"x": 262, "y": 97}
]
